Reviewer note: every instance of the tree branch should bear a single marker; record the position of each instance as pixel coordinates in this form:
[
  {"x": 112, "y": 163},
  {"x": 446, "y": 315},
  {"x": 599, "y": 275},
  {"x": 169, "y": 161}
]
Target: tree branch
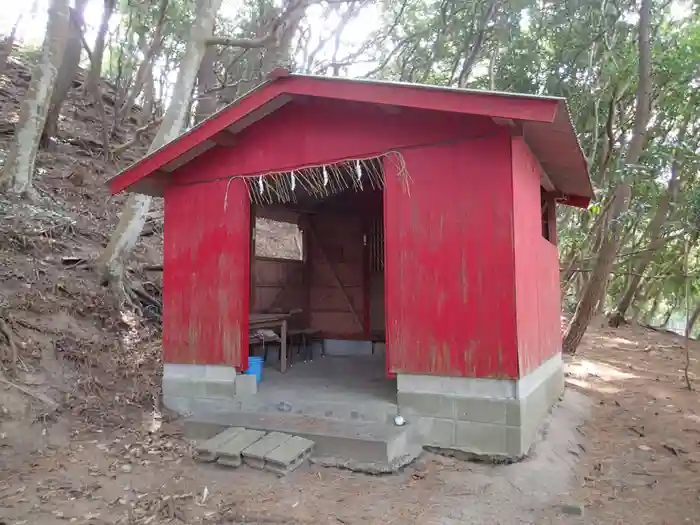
[{"x": 244, "y": 43}]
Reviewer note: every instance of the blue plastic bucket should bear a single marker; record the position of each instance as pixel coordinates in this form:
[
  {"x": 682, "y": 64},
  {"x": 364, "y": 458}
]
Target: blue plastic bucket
[{"x": 255, "y": 368}]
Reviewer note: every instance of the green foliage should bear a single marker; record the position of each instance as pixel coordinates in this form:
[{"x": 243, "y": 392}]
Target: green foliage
[{"x": 586, "y": 51}]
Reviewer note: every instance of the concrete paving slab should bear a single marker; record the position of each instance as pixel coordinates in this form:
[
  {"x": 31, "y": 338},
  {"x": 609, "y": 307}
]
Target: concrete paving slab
[
  {"x": 209, "y": 450},
  {"x": 254, "y": 455},
  {"x": 289, "y": 455},
  {"x": 230, "y": 451}
]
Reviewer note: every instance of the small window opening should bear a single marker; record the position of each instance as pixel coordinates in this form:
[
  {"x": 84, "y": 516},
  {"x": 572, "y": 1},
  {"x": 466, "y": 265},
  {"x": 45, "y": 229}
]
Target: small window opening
[
  {"x": 546, "y": 216},
  {"x": 278, "y": 240}
]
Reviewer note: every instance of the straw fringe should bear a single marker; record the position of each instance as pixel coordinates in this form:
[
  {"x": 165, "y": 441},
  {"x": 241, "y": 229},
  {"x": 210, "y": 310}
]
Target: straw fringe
[{"x": 323, "y": 180}]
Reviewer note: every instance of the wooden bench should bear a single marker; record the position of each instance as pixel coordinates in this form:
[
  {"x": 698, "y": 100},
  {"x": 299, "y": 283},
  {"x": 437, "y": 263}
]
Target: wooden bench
[{"x": 304, "y": 338}]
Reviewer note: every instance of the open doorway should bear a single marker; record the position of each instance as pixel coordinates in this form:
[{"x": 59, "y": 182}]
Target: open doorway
[{"x": 318, "y": 260}]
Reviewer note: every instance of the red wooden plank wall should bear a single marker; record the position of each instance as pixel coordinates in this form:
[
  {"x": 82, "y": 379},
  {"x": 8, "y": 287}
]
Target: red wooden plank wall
[
  {"x": 331, "y": 132},
  {"x": 206, "y": 275},
  {"x": 449, "y": 261},
  {"x": 536, "y": 266}
]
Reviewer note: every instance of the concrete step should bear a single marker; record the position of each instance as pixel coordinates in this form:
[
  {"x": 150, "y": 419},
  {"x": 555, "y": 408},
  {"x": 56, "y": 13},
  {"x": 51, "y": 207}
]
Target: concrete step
[
  {"x": 376, "y": 411},
  {"x": 353, "y": 444}
]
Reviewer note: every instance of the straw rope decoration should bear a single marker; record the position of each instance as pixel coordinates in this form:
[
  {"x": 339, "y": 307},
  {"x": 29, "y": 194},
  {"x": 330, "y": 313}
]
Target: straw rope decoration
[{"x": 324, "y": 180}]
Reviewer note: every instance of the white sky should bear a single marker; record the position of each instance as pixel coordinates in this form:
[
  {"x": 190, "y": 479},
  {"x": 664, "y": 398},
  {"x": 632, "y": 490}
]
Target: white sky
[{"x": 33, "y": 25}]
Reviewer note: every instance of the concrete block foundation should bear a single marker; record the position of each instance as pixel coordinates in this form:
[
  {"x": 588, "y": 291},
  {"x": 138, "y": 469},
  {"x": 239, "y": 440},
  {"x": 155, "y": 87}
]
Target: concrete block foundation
[
  {"x": 185, "y": 386},
  {"x": 485, "y": 417}
]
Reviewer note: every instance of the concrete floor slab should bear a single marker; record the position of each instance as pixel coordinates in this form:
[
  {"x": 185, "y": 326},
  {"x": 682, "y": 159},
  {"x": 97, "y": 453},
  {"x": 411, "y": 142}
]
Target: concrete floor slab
[
  {"x": 229, "y": 453},
  {"x": 360, "y": 380}
]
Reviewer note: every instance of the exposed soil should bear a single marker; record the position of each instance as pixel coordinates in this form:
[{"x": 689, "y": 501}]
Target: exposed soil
[
  {"x": 80, "y": 441},
  {"x": 643, "y": 462}
]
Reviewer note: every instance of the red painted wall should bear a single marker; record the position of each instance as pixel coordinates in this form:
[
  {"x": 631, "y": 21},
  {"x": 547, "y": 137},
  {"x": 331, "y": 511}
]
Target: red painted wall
[
  {"x": 450, "y": 287},
  {"x": 536, "y": 266},
  {"x": 314, "y": 131},
  {"x": 206, "y": 274},
  {"x": 450, "y": 267},
  {"x": 321, "y": 131}
]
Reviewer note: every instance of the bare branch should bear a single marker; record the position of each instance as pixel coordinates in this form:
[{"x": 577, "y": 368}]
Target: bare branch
[{"x": 244, "y": 43}]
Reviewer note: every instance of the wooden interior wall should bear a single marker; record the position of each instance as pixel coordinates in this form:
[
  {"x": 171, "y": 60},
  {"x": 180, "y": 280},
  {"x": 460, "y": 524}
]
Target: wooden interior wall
[
  {"x": 336, "y": 258},
  {"x": 536, "y": 266},
  {"x": 279, "y": 285}
]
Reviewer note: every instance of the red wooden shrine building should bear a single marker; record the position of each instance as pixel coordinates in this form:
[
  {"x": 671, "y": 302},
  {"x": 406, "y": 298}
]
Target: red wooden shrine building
[{"x": 427, "y": 214}]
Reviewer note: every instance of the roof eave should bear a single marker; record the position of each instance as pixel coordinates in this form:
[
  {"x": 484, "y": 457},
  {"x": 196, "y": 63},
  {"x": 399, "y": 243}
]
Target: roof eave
[{"x": 537, "y": 109}]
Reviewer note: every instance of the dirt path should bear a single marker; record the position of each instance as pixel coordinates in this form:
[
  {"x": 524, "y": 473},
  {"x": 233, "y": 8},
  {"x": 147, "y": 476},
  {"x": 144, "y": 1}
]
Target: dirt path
[
  {"x": 643, "y": 465},
  {"x": 624, "y": 442},
  {"x": 134, "y": 477}
]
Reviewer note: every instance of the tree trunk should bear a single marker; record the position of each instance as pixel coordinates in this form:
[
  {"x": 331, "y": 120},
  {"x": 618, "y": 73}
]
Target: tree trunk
[
  {"x": 693, "y": 319},
  {"x": 149, "y": 96},
  {"x": 99, "y": 50},
  {"x": 669, "y": 313},
  {"x": 476, "y": 44},
  {"x": 592, "y": 293},
  {"x": 644, "y": 88},
  {"x": 654, "y": 232},
  {"x": 144, "y": 69},
  {"x": 66, "y": 73},
  {"x": 654, "y": 308},
  {"x": 611, "y": 237},
  {"x": 8, "y": 44},
  {"x": 207, "y": 101},
  {"x": 278, "y": 54},
  {"x": 135, "y": 212},
  {"x": 17, "y": 173}
]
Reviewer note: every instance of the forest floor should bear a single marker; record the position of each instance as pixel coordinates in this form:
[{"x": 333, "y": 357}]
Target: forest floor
[
  {"x": 82, "y": 439},
  {"x": 636, "y": 460}
]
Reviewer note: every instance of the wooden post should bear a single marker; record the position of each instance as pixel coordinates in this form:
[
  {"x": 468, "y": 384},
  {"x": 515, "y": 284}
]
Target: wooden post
[
  {"x": 305, "y": 225},
  {"x": 252, "y": 256},
  {"x": 366, "y": 277},
  {"x": 283, "y": 344}
]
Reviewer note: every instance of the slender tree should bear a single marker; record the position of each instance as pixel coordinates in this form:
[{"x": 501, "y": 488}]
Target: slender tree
[
  {"x": 67, "y": 72},
  {"x": 594, "y": 291},
  {"x": 8, "y": 43},
  {"x": 98, "y": 51},
  {"x": 135, "y": 211},
  {"x": 18, "y": 171},
  {"x": 133, "y": 217}
]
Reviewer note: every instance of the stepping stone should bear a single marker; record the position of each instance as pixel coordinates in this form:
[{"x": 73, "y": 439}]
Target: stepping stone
[
  {"x": 229, "y": 453},
  {"x": 209, "y": 450},
  {"x": 289, "y": 455},
  {"x": 254, "y": 455}
]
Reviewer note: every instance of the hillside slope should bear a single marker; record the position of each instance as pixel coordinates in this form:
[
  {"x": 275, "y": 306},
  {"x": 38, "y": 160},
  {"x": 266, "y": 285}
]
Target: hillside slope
[{"x": 73, "y": 344}]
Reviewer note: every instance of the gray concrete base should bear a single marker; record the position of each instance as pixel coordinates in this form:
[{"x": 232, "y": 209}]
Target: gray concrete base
[
  {"x": 338, "y": 347},
  {"x": 185, "y": 386},
  {"x": 481, "y": 417}
]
